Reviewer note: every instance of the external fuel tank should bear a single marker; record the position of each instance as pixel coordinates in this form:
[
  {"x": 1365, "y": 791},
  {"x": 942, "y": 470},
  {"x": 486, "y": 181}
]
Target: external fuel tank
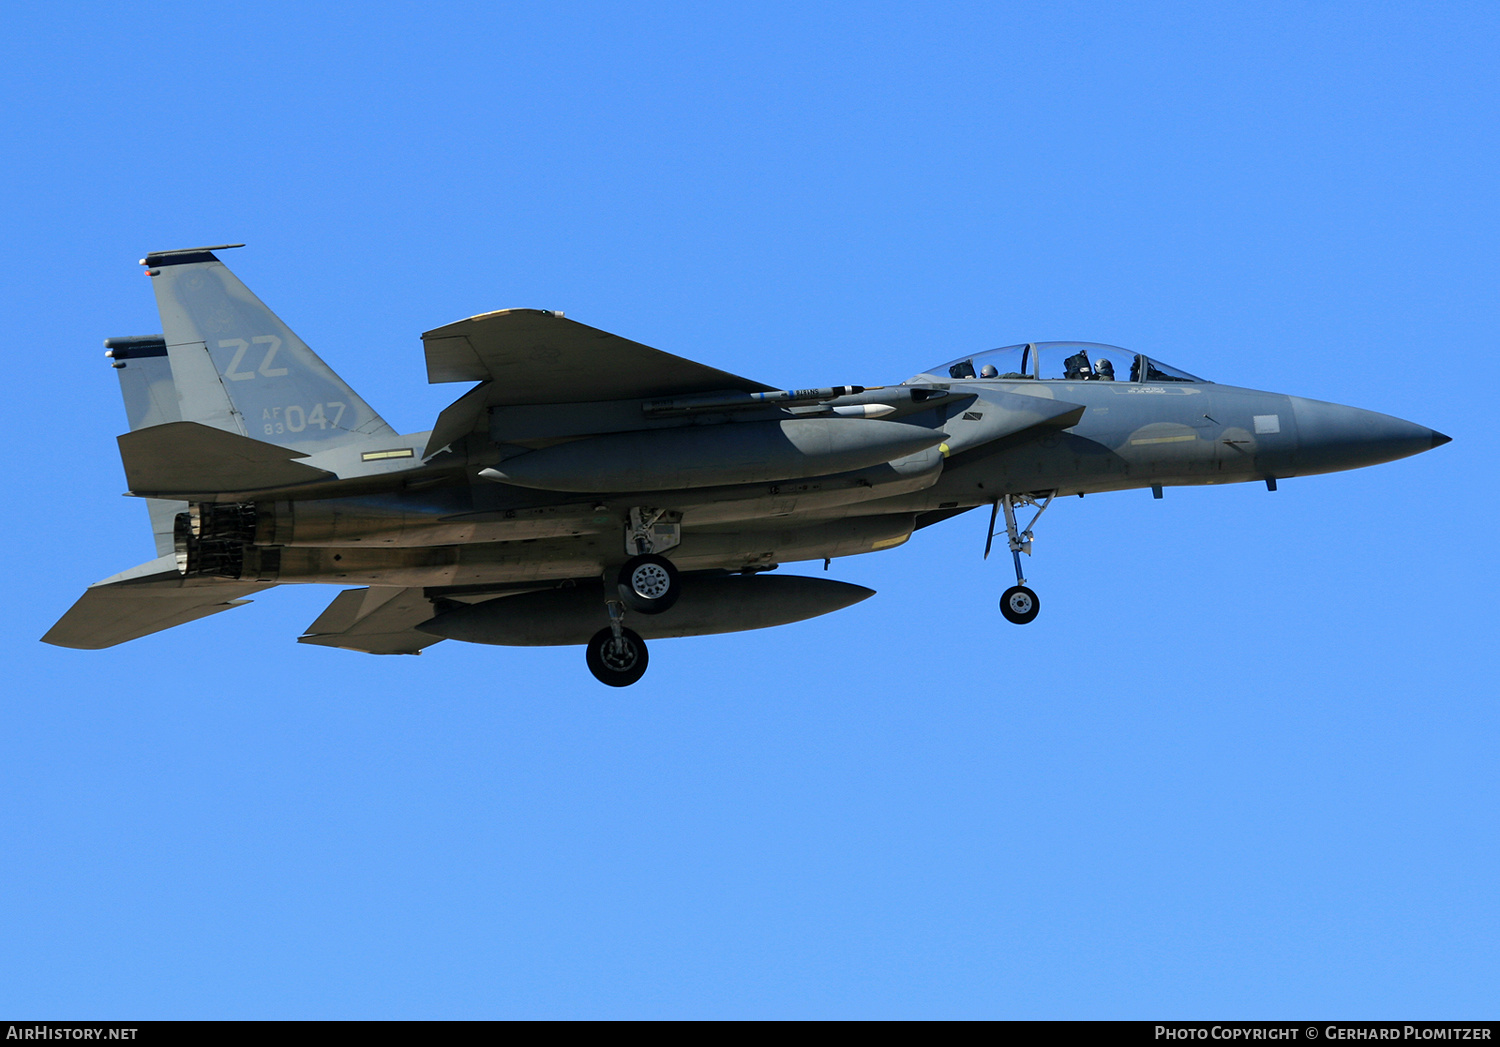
[{"x": 718, "y": 604}]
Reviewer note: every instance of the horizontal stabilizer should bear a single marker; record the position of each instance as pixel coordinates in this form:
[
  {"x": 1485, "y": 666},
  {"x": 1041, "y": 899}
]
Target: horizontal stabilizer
[
  {"x": 377, "y": 620},
  {"x": 141, "y": 601},
  {"x": 186, "y": 458}
]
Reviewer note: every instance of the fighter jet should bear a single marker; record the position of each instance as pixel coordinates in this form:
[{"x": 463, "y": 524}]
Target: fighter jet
[{"x": 589, "y": 490}]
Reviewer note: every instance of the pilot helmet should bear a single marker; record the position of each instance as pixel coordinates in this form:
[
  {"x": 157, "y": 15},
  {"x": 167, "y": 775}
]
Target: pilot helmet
[{"x": 989, "y": 371}]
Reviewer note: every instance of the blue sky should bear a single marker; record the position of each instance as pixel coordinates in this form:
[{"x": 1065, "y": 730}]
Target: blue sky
[{"x": 1242, "y": 765}]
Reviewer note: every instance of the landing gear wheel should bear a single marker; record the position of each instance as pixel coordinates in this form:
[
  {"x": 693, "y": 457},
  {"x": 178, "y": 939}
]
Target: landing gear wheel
[
  {"x": 648, "y": 584},
  {"x": 618, "y": 663},
  {"x": 1019, "y": 604}
]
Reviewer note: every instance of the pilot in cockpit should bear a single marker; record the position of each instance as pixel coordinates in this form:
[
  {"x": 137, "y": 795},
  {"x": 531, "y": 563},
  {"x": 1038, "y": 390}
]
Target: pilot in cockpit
[
  {"x": 989, "y": 371},
  {"x": 1076, "y": 368},
  {"x": 1104, "y": 371}
]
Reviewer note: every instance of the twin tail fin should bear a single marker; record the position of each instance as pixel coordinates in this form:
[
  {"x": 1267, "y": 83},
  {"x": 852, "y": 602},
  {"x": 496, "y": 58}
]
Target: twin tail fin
[{"x": 237, "y": 367}]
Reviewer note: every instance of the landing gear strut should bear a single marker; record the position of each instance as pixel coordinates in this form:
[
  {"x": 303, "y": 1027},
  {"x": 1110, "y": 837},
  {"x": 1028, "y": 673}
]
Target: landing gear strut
[
  {"x": 1018, "y": 603},
  {"x": 646, "y": 584}
]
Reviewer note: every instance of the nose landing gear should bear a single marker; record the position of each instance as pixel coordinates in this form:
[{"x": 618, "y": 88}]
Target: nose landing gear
[{"x": 1018, "y": 603}]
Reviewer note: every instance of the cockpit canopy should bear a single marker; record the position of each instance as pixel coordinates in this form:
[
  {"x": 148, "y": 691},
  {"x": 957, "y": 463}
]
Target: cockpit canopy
[{"x": 1062, "y": 361}]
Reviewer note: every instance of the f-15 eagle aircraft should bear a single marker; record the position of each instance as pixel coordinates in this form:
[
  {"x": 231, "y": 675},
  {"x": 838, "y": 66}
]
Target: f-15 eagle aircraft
[{"x": 590, "y": 490}]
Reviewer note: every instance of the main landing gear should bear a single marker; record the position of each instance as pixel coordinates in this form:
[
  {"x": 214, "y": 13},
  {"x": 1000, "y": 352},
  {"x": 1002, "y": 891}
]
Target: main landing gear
[
  {"x": 648, "y": 583},
  {"x": 1018, "y": 603}
]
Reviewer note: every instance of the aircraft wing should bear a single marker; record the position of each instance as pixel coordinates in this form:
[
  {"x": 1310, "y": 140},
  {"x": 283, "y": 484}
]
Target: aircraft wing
[
  {"x": 377, "y": 620},
  {"x": 531, "y": 356},
  {"x": 538, "y": 357},
  {"x": 141, "y": 601}
]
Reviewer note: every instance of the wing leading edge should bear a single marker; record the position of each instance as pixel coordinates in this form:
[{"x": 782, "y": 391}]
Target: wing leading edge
[{"x": 531, "y": 356}]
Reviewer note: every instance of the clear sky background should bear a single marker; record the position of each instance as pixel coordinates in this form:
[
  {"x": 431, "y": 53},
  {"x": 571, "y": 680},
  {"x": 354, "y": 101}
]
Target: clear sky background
[{"x": 1244, "y": 764}]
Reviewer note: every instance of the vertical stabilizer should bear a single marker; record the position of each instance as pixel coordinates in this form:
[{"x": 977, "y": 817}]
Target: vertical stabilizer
[
  {"x": 150, "y": 399},
  {"x": 237, "y": 367}
]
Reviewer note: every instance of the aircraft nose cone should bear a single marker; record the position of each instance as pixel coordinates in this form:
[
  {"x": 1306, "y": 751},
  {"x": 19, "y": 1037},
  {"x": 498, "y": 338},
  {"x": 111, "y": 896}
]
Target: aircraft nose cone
[{"x": 1333, "y": 437}]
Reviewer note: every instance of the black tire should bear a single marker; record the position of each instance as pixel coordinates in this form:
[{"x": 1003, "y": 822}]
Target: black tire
[
  {"x": 649, "y": 584},
  {"x": 617, "y": 664},
  {"x": 1019, "y": 604}
]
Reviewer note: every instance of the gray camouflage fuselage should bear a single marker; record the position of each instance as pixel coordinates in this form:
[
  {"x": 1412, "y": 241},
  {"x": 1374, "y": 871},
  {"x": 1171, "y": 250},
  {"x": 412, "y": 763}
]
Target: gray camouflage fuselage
[{"x": 1130, "y": 436}]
